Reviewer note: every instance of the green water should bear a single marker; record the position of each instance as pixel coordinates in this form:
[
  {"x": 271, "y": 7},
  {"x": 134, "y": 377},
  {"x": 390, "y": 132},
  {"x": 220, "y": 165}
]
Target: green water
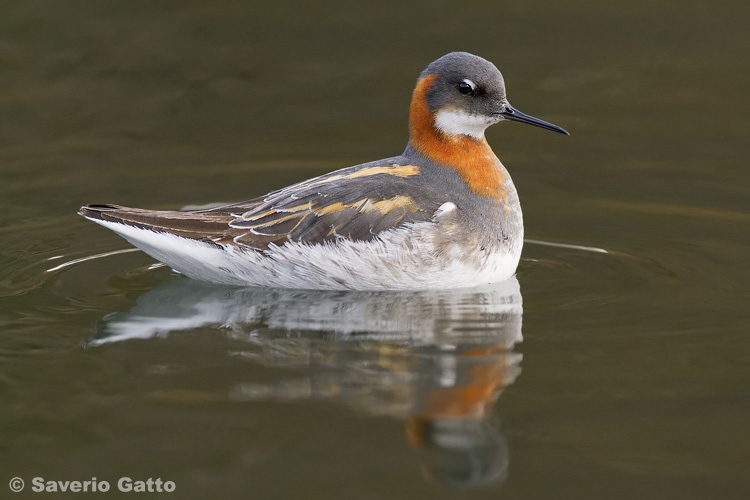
[{"x": 612, "y": 375}]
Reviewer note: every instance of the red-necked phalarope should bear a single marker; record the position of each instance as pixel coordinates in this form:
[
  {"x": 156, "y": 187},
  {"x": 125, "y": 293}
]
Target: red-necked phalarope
[{"x": 443, "y": 214}]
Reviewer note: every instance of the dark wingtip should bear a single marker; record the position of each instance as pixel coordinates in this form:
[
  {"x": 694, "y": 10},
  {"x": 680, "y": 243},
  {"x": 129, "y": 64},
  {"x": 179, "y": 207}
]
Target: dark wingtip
[{"x": 95, "y": 211}]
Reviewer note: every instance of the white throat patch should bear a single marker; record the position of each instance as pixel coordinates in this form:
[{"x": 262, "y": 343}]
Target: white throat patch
[{"x": 456, "y": 122}]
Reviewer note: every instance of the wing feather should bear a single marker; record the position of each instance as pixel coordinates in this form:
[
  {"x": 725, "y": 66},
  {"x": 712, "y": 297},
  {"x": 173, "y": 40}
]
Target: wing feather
[{"x": 356, "y": 203}]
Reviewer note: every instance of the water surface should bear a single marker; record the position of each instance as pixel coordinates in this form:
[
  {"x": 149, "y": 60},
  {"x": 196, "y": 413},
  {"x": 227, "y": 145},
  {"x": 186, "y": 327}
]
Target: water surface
[{"x": 616, "y": 374}]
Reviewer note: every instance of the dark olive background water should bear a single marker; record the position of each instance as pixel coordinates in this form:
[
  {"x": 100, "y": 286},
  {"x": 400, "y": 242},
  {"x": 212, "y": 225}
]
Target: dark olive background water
[{"x": 634, "y": 380}]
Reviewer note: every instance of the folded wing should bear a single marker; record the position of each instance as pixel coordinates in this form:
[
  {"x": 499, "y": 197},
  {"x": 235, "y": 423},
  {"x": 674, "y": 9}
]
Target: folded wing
[{"x": 356, "y": 203}]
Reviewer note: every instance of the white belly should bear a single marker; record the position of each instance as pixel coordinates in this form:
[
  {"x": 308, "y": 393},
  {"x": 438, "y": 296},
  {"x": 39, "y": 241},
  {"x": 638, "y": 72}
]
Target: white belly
[{"x": 409, "y": 258}]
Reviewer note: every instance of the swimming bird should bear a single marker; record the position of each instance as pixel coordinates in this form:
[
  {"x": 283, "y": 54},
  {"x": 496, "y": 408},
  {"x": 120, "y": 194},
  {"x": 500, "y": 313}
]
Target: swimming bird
[{"x": 444, "y": 214}]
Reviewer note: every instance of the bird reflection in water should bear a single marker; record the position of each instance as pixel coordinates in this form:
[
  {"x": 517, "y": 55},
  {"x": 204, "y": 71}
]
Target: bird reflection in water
[{"x": 436, "y": 359}]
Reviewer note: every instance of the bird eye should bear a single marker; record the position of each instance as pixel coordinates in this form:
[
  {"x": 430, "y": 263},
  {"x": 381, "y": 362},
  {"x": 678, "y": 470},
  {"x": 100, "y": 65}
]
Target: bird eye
[{"x": 465, "y": 88}]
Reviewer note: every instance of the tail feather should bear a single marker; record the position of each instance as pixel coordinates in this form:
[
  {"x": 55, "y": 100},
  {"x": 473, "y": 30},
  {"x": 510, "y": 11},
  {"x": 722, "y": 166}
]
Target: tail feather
[{"x": 201, "y": 225}]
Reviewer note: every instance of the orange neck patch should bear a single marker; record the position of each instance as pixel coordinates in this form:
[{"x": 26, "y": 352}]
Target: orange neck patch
[{"x": 472, "y": 158}]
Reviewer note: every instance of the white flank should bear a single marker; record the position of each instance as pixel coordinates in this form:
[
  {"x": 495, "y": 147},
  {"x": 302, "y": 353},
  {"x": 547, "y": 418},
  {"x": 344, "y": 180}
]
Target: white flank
[
  {"x": 445, "y": 208},
  {"x": 413, "y": 257},
  {"x": 456, "y": 122}
]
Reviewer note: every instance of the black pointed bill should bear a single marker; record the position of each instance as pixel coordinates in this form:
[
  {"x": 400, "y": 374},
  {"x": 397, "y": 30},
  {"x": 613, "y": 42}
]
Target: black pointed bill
[{"x": 512, "y": 113}]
